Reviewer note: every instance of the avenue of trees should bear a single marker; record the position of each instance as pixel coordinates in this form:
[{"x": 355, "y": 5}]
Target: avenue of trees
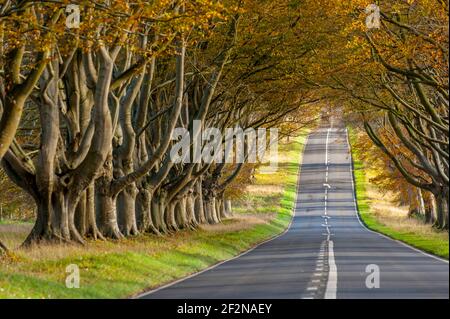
[
  {"x": 397, "y": 88},
  {"x": 97, "y": 106},
  {"x": 89, "y": 114}
]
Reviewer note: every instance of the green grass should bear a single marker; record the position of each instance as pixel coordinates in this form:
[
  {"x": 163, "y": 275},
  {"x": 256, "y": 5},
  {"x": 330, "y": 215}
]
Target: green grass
[
  {"x": 15, "y": 222},
  {"x": 424, "y": 238},
  {"x": 122, "y": 269}
]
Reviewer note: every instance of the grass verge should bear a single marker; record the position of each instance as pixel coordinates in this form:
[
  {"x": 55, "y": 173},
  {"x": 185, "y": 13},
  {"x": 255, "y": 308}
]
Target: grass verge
[
  {"x": 380, "y": 214},
  {"x": 123, "y": 268}
]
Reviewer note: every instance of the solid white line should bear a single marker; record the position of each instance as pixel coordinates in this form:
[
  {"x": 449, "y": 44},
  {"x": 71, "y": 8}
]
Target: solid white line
[
  {"x": 370, "y": 230},
  {"x": 331, "y": 290}
]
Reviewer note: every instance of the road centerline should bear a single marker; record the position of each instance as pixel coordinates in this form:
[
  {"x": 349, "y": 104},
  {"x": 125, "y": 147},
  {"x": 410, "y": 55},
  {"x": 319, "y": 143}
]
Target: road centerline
[{"x": 331, "y": 287}]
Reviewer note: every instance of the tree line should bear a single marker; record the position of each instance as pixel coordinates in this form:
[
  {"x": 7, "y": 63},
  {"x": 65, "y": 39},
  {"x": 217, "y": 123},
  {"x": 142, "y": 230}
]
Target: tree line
[
  {"x": 89, "y": 114},
  {"x": 391, "y": 76}
]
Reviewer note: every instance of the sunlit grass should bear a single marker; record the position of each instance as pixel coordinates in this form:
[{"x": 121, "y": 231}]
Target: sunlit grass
[{"x": 379, "y": 213}]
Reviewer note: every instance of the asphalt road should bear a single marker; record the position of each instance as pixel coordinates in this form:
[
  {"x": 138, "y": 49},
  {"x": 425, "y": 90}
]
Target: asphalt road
[{"x": 327, "y": 252}]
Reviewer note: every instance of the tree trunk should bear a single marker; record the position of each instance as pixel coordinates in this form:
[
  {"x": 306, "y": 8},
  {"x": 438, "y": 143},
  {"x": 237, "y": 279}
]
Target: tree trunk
[
  {"x": 91, "y": 219},
  {"x": 220, "y": 208},
  {"x": 228, "y": 208},
  {"x": 3, "y": 247},
  {"x": 211, "y": 211},
  {"x": 126, "y": 203},
  {"x": 198, "y": 204},
  {"x": 51, "y": 223},
  {"x": 106, "y": 209},
  {"x": 442, "y": 209},
  {"x": 144, "y": 212},
  {"x": 190, "y": 211},
  {"x": 81, "y": 215},
  {"x": 181, "y": 214},
  {"x": 106, "y": 206},
  {"x": 421, "y": 202},
  {"x": 158, "y": 211},
  {"x": 170, "y": 217},
  {"x": 432, "y": 210}
]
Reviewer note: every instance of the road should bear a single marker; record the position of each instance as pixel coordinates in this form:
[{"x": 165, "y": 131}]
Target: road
[{"x": 326, "y": 252}]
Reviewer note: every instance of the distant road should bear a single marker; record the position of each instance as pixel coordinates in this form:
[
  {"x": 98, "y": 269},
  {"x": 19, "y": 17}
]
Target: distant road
[{"x": 326, "y": 251}]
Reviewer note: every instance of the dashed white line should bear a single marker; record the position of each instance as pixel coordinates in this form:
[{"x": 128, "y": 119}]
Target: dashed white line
[{"x": 317, "y": 275}]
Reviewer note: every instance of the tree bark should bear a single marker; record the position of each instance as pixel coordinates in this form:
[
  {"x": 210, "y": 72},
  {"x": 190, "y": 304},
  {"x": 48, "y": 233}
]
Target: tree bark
[
  {"x": 198, "y": 203},
  {"x": 126, "y": 204},
  {"x": 170, "y": 221},
  {"x": 190, "y": 211},
  {"x": 106, "y": 204},
  {"x": 158, "y": 211},
  {"x": 442, "y": 209},
  {"x": 91, "y": 219},
  {"x": 144, "y": 212}
]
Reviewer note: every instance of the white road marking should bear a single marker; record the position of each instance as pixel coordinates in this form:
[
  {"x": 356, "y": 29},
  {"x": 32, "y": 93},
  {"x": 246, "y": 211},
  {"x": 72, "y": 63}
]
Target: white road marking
[
  {"x": 331, "y": 290},
  {"x": 311, "y": 288},
  {"x": 326, "y": 146},
  {"x": 317, "y": 274}
]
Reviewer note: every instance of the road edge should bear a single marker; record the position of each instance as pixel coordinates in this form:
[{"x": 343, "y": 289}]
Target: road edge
[{"x": 363, "y": 224}]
